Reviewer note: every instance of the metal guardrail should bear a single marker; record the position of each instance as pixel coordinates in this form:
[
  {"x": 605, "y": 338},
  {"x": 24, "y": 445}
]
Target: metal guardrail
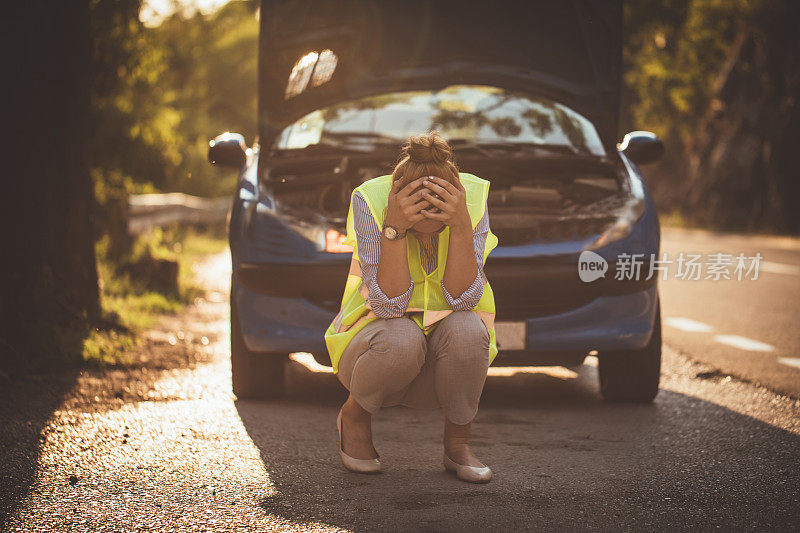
[{"x": 147, "y": 211}]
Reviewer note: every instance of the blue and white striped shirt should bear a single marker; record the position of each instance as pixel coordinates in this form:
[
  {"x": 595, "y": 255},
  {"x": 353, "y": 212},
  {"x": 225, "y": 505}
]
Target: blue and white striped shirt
[{"x": 368, "y": 237}]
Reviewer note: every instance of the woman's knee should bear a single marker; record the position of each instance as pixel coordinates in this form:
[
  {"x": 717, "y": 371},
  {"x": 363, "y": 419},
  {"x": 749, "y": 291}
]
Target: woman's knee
[
  {"x": 465, "y": 332},
  {"x": 403, "y": 340}
]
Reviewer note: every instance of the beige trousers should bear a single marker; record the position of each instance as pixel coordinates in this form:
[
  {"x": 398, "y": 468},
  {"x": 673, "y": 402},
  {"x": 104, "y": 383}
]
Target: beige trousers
[{"x": 391, "y": 362}]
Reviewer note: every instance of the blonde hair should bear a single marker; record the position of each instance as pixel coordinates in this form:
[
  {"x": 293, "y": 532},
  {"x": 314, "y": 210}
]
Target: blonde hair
[{"x": 427, "y": 154}]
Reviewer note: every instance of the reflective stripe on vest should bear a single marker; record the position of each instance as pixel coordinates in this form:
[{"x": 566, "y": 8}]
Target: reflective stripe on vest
[{"x": 427, "y": 305}]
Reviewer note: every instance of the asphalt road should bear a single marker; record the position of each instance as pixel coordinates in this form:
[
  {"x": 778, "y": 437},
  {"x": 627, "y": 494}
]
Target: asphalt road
[
  {"x": 749, "y": 328},
  {"x": 162, "y": 445}
]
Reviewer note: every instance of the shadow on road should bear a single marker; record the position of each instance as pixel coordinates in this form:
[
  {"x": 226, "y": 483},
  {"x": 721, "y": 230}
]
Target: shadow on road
[
  {"x": 26, "y": 407},
  {"x": 38, "y": 406},
  {"x": 563, "y": 459}
]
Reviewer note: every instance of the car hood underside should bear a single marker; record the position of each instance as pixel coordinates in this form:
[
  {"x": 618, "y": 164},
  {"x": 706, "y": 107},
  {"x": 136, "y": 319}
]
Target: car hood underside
[{"x": 316, "y": 53}]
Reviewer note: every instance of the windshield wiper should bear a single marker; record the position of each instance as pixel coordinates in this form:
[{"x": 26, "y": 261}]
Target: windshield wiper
[
  {"x": 545, "y": 156},
  {"x": 350, "y": 139},
  {"x": 366, "y": 135},
  {"x": 508, "y": 146}
]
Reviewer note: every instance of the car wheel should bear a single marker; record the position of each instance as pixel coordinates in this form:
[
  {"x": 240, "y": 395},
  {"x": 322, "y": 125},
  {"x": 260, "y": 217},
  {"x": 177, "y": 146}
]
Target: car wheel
[
  {"x": 254, "y": 374},
  {"x": 633, "y": 375}
]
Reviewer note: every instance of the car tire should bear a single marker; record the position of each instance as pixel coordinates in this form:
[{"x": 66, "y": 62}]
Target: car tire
[
  {"x": 254, "y": 375},
  {"x": 633, "y": 375}
]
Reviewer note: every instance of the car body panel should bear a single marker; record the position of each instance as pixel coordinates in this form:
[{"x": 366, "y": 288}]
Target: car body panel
[
  {"x": 606, "y": 314},
  {"x": 272, "y": 324}
]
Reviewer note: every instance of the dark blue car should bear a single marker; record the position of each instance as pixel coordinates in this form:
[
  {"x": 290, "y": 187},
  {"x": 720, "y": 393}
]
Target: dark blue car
[{"x": 528, "y": 96}]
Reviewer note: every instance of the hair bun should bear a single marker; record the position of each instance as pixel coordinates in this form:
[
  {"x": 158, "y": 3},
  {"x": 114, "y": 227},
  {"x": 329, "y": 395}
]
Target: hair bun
[{"x": 428, "y": 148}]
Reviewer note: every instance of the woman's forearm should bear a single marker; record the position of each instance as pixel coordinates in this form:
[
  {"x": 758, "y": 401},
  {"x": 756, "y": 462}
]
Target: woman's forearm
[
  {"x": 461, "y": 268},
  {"x": 393, "y": 275}
]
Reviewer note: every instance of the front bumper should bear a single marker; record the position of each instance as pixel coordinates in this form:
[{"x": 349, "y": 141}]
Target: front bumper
[
  {"x": 619, "y": 322},
  {"x": 280, "y": 325}
]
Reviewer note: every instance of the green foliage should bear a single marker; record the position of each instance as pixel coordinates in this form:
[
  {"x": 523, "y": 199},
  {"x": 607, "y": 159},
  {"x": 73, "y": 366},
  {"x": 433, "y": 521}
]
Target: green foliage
[
  {"x": 129, "y": 305},
  {"x": 158, "y": 96},
  {"x": 674, "y": 50},
  {"x": 103, "y": 348},
  {"x": 213, "y": 71},
  {"x": 135, "y": 130},
  {"x": 709, "y": 77},
  {"x": 210, "y": 84}
]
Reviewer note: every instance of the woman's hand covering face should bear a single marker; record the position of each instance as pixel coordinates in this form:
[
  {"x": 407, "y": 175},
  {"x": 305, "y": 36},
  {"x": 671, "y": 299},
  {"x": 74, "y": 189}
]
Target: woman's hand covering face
[
  {"x": 450, "y": 199},
  {"x": 405, "y": 206}
]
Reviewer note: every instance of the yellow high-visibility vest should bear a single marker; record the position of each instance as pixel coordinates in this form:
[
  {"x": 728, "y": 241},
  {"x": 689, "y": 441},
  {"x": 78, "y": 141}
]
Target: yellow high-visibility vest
[{"x": 428, "y": 305}]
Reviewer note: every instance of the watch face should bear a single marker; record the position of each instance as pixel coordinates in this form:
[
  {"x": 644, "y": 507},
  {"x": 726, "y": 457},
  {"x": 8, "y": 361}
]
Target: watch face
[{"x": 390, "y": 232}]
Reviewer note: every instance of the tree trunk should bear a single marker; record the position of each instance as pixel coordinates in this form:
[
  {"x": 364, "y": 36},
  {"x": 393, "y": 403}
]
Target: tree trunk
[{"x": 50, "y": 292}]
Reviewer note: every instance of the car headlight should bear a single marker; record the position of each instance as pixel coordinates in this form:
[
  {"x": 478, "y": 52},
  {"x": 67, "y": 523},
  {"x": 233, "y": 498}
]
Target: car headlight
[
  {"x": 324, "y": 240},
  {"x": 627, "y": 216},
  {"x": 334, "y": 242}
]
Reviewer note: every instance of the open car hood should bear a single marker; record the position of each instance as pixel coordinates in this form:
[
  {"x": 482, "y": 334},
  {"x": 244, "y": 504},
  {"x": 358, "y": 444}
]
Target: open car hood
[{"x": 314, "y": 53}]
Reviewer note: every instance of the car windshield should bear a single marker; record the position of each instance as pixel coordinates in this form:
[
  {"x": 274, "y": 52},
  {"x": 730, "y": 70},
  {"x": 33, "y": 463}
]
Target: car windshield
[{"x": 469, "y": 113}]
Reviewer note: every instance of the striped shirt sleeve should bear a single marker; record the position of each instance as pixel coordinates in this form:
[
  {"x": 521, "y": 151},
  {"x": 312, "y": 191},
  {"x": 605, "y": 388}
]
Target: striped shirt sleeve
[
  {"x": 470, "y": 297},
  {"x": 368, "y": 238}
]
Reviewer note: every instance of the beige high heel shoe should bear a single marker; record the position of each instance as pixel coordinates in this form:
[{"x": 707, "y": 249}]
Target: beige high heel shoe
[
  {"x": 472, "y": 474},
  {"x": 362, "y": 466}
]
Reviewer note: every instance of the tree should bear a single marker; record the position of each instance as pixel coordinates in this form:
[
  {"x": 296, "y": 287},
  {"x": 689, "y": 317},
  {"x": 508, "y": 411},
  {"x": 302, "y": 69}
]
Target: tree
[
  {"x": 743, "y": 168},
  {"x": 211, "y": 80},
  {"x": 50, "y": 292},
  {"x": 717, "y": 80}
]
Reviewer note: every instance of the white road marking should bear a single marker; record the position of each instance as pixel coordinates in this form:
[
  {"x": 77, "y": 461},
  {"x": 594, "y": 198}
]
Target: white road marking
[
  {"x": 779, "y": 268},
  {"x": 687, "y": 324},
  {"x": 791, "y": 361},
  {"x": 743, "y": 343}
]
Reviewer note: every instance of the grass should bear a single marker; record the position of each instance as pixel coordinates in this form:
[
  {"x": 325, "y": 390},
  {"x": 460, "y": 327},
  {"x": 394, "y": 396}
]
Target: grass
[
  {"x": 129, "y": 306},
  {"x": 108, "y": 348}
]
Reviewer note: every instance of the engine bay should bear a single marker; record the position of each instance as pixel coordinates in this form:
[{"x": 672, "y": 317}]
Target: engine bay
[{"x": 541, "y": 201}]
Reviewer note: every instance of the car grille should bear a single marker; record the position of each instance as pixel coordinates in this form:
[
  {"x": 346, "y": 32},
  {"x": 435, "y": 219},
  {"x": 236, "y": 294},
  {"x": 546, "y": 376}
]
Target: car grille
[{"x": 518, "y": 308}]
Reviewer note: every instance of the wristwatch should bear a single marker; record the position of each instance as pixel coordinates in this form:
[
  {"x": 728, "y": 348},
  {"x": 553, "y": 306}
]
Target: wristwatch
[{"x": 392, "y": 233}]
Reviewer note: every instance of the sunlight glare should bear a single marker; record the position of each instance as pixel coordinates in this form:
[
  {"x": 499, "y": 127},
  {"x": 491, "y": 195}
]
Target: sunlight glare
[{"x": 153, "y": 12}]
